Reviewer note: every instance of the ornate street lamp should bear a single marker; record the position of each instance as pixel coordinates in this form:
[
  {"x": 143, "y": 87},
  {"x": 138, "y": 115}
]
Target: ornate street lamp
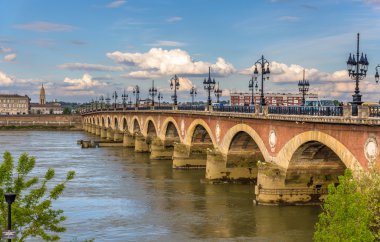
[
  {"x": 136, "y": 93},
  {"x": 159, "y": 97},
  {"x": 303, "y": 87},
  {"x": 92, "y": 105},
  {"x": 252, "y": 87},
  {"x": 265, "y": 73},
  {"x": 101, "y": 99},
  {"x": 357, "y": 70},
  {"x": 108, "y": 100},
  {"x": 124, "y": 97},
  {"x": 10, "y": 198},
  {"x": 174, "y": 84},
  {"x": 193, "y": 93},
  {"x": 377, "y": 74},
  {"x": 218, "y": 92},
  {"x": 114, "y": 97},
  {"x": 209, "y": 85},
  {"x": 153, "y": 92}
]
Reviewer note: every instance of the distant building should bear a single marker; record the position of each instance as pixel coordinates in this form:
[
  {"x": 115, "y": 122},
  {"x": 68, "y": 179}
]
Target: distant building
[
  {"x": 43, "y": 107},
  {"x": 14, "y": 104},
  {"x": 272, "y": 99}
]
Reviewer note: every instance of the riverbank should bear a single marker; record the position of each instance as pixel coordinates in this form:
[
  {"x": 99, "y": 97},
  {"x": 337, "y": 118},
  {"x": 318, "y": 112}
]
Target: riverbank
[
  {"x": 42, "y": 127},
  {"x": 41, "y": 122}
]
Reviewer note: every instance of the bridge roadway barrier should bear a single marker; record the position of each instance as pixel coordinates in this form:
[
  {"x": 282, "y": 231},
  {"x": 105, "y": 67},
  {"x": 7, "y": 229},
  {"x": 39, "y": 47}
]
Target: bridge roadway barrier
[{"x": 291, "y": 159}]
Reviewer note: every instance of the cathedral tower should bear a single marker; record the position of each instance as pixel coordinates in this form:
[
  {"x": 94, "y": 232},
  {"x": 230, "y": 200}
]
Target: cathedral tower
[{"x": 42, "y": 95}]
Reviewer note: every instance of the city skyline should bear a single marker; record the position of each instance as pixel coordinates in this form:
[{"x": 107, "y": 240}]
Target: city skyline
[{"x": 81, "y": 50}]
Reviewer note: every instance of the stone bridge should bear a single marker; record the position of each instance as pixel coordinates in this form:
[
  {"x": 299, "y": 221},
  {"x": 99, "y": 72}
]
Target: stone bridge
[{"x": 291, "y": 159}]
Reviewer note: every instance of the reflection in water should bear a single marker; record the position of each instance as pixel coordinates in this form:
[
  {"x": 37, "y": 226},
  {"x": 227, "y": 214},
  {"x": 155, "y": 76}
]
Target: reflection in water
[{"x": 119, "y": 195}]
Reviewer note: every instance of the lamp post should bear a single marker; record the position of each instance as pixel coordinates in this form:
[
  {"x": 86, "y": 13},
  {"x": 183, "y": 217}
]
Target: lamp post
[
  {"x": 265, "y": 73},
  {"x": 252, "y": 86},
  {"x": 209, "y": 85},
  {"x": 114, "y": 97},
  {"x": 159, "y": 97},
  {"x": 218, "y": 92},
  {"x": 377, "y": 74},
  {"x": 96, "y": 104},
  {"x": 101, "y": 99},
  {"x": 303, "y": 87},
  {"x": 152, "y": 92},
  {"x": 136, "y": 93},
  {"x": 357, "y": 70},
  {"x": 92, "y": 105},
  {"x": 10, "y": 198},
  {"x": 174, "y": 84},
  {"x": 193, "y": 93},
  {"x": 124, "y": 97},
  {"x": 108, "y": 99}
]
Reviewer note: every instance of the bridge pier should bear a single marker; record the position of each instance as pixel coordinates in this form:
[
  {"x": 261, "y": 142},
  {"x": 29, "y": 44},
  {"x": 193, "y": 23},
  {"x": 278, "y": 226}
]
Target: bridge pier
[
  {"x": 103, "y": 132},
  {"x": 141, "y": 145},
  {"x": 93, "y": 129},
  {"x": 273, "y": 187},
  {"x": 232, "y": 168},
  {"x": 161, "y": 149},
  {"x": 118, "y": 136},
  {"x": 110, "y": 133},
  {"x": 190, "y": 157},
  {"x": 97, "y": 130},
  {"x": 128, "y": 140}
]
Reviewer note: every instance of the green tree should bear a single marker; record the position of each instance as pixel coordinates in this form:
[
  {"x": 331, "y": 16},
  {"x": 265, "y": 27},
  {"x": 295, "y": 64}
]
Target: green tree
[
  {"x": 66, "y": 110},
  {"x": 346, "y": 215},
  {"x": 32, "y": 211}
]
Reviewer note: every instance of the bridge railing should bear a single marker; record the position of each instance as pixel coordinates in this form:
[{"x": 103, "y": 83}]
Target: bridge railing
[
  {"x": 235, "y": 109},
  {"x": 191, "y": 107},
  {"x": 374, "y": 111},
  {"x": 163, "y": 107},
  {"x": 305, "y": 110}
]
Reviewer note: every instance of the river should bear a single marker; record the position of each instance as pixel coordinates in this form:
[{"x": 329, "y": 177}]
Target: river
[{"x": 120, "y": 195}]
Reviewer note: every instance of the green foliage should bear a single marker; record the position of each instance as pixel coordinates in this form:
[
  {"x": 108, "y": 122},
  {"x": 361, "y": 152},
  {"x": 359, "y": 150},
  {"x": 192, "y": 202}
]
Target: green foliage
[
  {"x": 66, "y": 110},
  {"x": 32, "y": 211},
  {"x": 351, "y": 210}
]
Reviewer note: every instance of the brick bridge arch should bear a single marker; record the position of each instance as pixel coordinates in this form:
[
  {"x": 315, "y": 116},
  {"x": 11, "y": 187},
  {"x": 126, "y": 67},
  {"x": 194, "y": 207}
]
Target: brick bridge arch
[
  {"x": 287, "y": 152},
  {"x": 191, "y": 129},
  {"x": 164, "y": 128}
]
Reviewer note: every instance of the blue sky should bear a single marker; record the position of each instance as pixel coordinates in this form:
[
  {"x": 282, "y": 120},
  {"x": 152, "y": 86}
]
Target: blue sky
[{"x": 82, "y": 49}]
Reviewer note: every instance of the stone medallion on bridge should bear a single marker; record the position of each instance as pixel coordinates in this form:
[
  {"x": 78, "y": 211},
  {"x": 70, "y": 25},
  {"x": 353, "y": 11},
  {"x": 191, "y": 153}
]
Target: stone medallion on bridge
[
  {"x": 371, "y": 150},
  {"x": 272, "y": 140},
  {"x": 217, "y": 132}
]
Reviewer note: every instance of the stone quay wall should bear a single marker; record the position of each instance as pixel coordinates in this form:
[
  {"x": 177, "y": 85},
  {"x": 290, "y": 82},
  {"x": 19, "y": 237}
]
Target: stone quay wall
[{"x": 41, "y": 121}]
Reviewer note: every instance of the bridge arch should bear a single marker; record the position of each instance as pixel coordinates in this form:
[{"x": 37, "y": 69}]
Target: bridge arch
[
  {"x": 108, "y": 125},
  {"x": 150, "y": 127},
  {"x": 170, "y": 130},
  {"x": 297, "y": 146},
  {"x": 230, "y": 135},
  {"x": 135, "y": 125},
  {"x": 116, "y": 124},
  {"x": 125, "y": 124},
  {"x": 103, "y": 122},
  {"x": 201, "y": 130}
]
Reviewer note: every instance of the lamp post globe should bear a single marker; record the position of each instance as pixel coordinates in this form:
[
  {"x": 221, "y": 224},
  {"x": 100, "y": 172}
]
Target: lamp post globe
[
  {"x": 263, "y": 65},
  {"x": 136, "y": 93},
  {"x": 174, "y": 84},
  {"x": 209, "y": 85},
  {"x": 357, "y": 69}
]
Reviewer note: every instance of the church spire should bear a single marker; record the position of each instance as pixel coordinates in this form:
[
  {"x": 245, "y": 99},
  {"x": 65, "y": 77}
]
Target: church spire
[{"x": 42, "y": 95}]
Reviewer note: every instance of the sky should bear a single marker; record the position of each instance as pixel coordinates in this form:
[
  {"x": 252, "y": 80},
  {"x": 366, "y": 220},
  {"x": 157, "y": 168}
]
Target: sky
[{"x": 80, "y": 50}]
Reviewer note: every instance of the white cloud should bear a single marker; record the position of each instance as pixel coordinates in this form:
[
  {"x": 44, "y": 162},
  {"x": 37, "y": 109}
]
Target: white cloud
[
  {"x": 89, "y": 67},
  {"x": 116, "y": 4},
  {"x": 5, "y": 80},
  {"x": 174, "y": 19},
  {"x": 10, "y": 57},
  {"x": 41, "y": 26},
  {"x": 160, "y": 62},
  {"x": 5, "y": 49},
  {"x": 140, "y": 75},
  {"x": 283, "y": 74},
  {"x": 86, "y": 82}
]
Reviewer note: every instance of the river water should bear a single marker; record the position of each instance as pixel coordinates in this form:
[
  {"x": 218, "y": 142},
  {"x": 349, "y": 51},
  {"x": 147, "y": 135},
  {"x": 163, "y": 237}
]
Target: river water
[{"x": 119, "y": 195}]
